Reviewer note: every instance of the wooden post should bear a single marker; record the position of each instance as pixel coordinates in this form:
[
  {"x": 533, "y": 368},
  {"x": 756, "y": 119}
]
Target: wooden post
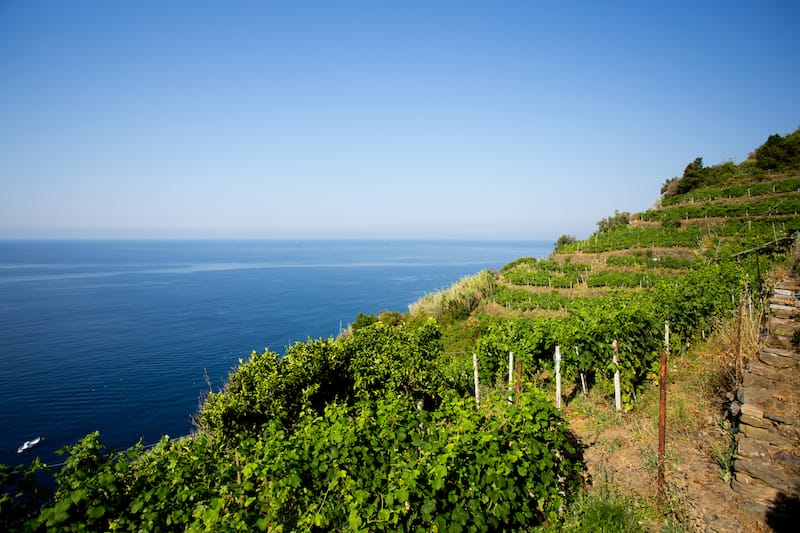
[
  {"x": 617, "y": 385},
  {"x": 662, "y": 416},
  {"x": 519, "y": 380},
  {"x": 510, "y": 376},
  {"x": 477, "y": 383},
  {"x": 558, "y": 377},
  {"x": 583, "y": 376},
  {"x": 758, "y": 277}
]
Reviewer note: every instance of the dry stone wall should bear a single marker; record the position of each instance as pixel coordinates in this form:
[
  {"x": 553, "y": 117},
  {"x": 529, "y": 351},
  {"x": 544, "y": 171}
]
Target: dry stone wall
[{"x": 766, "y": 466}]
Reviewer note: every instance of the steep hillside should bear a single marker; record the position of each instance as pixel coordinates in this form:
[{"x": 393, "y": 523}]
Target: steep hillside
[{"x": 702, "y": 259}]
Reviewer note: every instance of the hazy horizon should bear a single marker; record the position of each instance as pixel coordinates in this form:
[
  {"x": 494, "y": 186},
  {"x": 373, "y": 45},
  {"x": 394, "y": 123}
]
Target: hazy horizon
[{"x": 446, "y": 120}]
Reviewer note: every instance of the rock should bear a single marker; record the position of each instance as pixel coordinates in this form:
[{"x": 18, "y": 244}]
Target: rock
[
  {"x": 753, "y": 490},
  {"x": 772, "y": 476},
  {"x": 781, "y": 352},
  {"x": 775, "y": 357},
  {"x": 789, "y": 461},
  {"x": 766, "y": 436},
  {"x": 777, "y": 418},
  {"x": 747, "y": 448},
  {"x": 758, "y": 368},
  {"x": 752, "y": 411},
  {"x": 755, "y": 422}
]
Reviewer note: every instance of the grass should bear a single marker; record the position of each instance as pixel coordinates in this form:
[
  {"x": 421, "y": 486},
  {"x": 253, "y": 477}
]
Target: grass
[
  {"x": 605, "y": 511},
  {"x": 457, "y": 301}
]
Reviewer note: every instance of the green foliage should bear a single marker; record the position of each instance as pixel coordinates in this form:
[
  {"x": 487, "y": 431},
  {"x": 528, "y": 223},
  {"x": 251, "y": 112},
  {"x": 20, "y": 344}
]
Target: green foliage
[
  {"x": 531, "y": 340},
  {"x": 93, "y": 487},
  {"x": 375, "y": 359},
  {"x": 779, "y": 153},
  {"x": 789, "y": 204},
  {"x": 382, "y": 465},
  {"x": 585, "y": 337},
  {"x": 526, "y": 300},
  {"x": 545, "y": 273},
  {"x": 22, "y": 495},
  {"x": 628, "y": 238},
  {"x": 620, "y": 278},
  {"x": 695, "y": 176},
  {"x": 691, "y": 301},
  {"x": 388, "y": 466},
  {"x": 641, "y": 260},
  {"x": 618, "y": 219},
  {"x": 784, "y": 185},
  {"x": 604, "y": 512},
  {"x": 382, "y": 358},
  {"x": 362, "y": 321},
  {"x": 564, "y": 240}
]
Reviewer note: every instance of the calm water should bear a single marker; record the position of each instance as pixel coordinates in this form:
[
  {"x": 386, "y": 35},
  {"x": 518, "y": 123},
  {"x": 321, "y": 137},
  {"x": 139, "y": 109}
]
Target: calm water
[{"x": 117, "y": 336}]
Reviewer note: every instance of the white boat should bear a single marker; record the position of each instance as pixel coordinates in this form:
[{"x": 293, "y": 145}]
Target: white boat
[{"x": 28, "y": 444}]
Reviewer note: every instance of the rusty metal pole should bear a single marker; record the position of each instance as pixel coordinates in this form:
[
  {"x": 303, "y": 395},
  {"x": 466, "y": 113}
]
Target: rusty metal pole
[
  {"x": 662, "y": 416},
  {"x": 739, "y": 370},
  {"x": 519, "y": 379},
  {"x": 617, "y": 385}
]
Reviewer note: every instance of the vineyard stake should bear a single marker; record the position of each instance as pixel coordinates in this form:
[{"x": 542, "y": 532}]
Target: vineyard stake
[
  {"x": 662, "y": 415},
  {"x": 510, "y": 375},
  {"x": 617, "y": 386},
  {"x": 583, "y": 376},
  {"x": 558, "y": 377},
  {"x": 477, "y": 383},
  {"x": 519, "y": 379}
]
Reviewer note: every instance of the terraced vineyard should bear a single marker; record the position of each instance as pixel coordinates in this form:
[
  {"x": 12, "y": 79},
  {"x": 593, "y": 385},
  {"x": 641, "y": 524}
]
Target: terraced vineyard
[{"x": 677, "y": 261}]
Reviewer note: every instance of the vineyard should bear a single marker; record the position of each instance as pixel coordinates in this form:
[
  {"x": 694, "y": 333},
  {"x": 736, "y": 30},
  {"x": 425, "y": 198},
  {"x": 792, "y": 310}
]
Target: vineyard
[{"x": 415, "y": 422}]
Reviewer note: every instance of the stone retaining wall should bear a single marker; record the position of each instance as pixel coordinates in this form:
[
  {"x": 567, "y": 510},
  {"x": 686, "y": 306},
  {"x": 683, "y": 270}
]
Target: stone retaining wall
[{"x": 766, "y": 467}]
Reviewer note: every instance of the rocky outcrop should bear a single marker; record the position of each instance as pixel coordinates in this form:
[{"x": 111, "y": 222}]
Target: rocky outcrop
[{"x": 766, "y": 468}]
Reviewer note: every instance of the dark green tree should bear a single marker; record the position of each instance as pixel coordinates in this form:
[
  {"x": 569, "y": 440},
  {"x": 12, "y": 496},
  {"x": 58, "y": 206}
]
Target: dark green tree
[
  {"x": 564, "y": 240},
  {"x": 618, "y": 219},
  {"x": 779, "y": 153}
]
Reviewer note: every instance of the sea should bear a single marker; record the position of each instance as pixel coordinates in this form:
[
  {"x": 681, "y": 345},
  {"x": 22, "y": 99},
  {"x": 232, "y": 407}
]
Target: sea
[{"x": 125, "y": 337}]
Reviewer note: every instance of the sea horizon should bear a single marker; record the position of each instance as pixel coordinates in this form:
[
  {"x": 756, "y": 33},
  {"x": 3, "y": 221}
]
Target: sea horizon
[{"x": 119, "y": 335}]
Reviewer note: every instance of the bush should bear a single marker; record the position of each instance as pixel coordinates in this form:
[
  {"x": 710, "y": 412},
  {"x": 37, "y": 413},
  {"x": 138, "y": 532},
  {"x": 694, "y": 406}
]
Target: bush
[
  {"x": 564, "y": 240},
  {"x": 618, "y": 219}
]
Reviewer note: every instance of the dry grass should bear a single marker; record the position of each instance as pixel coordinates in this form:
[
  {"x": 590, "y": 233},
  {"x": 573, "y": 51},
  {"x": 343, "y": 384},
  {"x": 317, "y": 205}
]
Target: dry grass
[{"x": 458, "y": 300}]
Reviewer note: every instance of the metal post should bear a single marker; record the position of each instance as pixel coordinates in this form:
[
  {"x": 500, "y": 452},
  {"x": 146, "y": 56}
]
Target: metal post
[
  {"x": 617, "y": 384},
  {"x": 662, "y": 416}
]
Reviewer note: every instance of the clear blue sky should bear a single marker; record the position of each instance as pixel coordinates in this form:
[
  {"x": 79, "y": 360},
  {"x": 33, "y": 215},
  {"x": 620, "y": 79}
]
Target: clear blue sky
[{"x": 429, "y": 119}]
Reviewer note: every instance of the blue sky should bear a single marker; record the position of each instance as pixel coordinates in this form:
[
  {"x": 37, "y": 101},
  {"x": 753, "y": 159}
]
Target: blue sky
[{"x": 338, "y": 119}]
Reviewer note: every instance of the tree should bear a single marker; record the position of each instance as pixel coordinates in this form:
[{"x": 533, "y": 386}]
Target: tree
[
  {"x": 778, "y": 152},
  {"x": 693, "y": 176},
  {"x": 619, "y": 218},
  {"x": 564, "y": 240}
]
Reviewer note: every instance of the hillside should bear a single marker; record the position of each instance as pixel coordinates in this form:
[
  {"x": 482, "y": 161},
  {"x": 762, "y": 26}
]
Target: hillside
[
  {"x": 740, "y": 217},
  {"x": 417, "y": 421}
]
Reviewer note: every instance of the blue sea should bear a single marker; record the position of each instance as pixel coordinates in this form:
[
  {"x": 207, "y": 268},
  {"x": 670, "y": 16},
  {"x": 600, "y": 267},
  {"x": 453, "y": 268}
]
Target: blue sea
[{"x": 122, "y": 336}]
